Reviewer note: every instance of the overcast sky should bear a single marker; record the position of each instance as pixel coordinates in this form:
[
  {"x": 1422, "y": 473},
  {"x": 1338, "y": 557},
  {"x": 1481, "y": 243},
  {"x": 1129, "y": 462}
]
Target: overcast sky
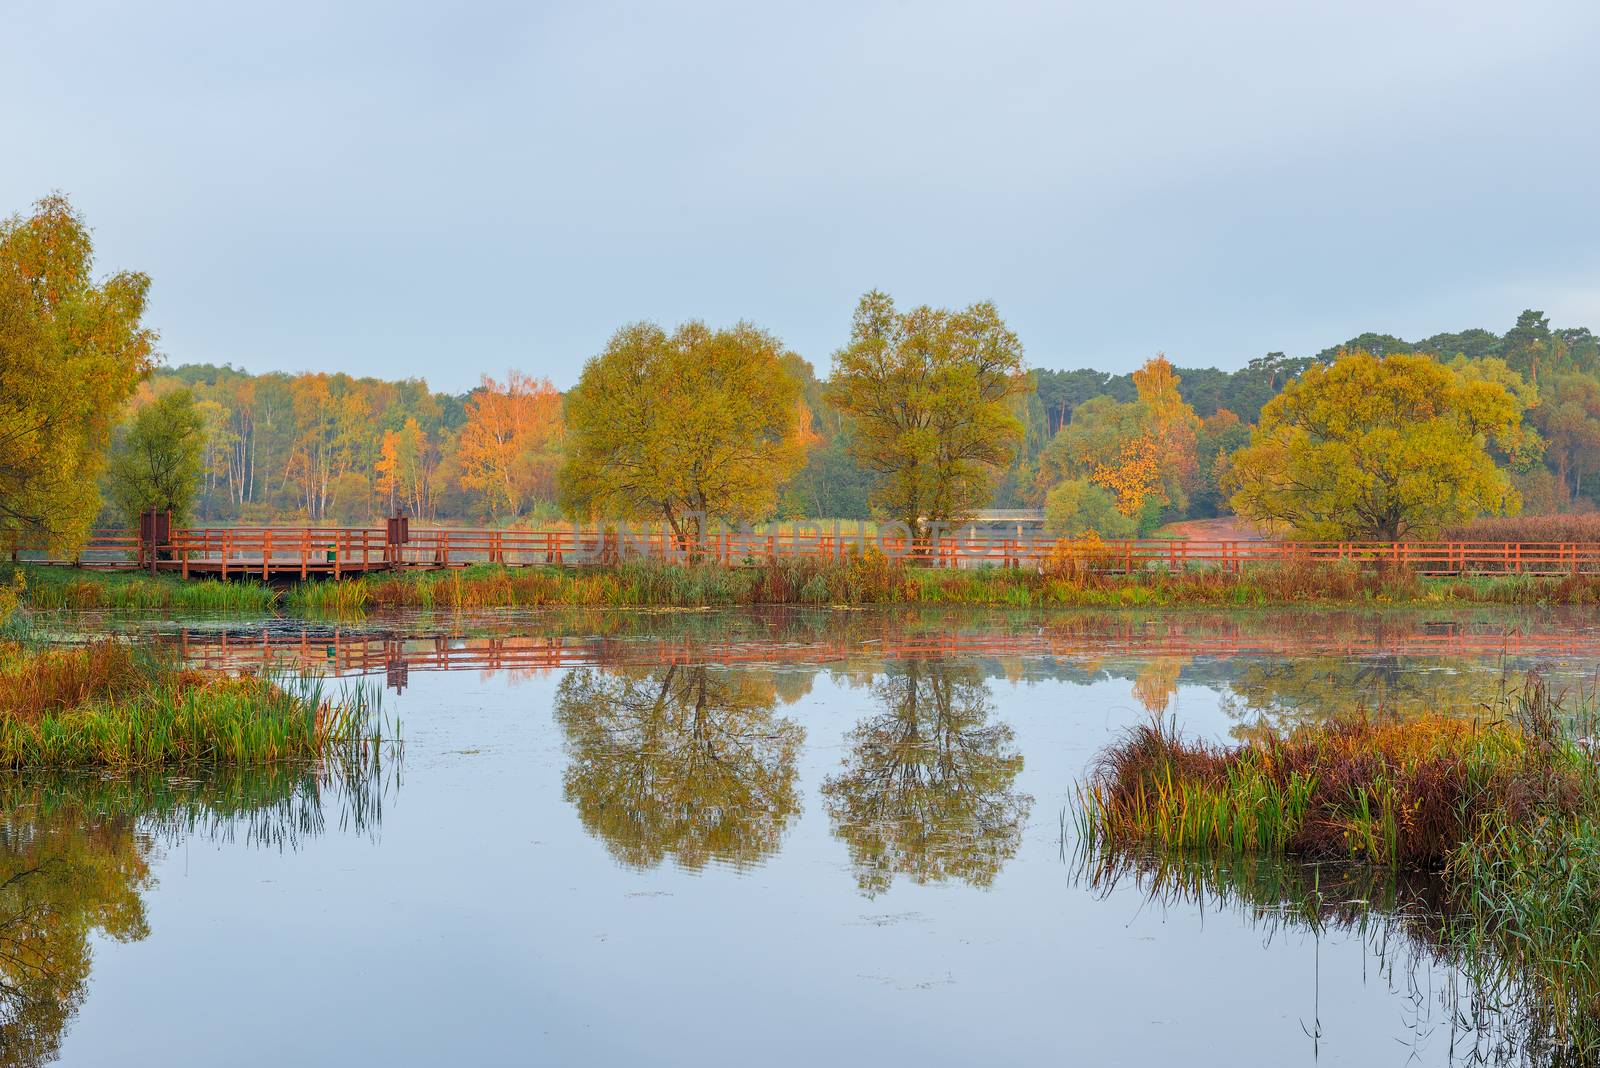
[{"x": 444, "y": 189}]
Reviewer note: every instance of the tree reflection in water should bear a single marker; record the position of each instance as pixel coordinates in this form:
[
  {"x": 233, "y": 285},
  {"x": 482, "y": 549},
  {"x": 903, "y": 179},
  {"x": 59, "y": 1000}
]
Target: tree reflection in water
[
  {"x": 1271, "y": 696},
  {"x": 690, "y": 762},
  {"x": 76, "y": 853},
  {"x": 927, "y": 789}
]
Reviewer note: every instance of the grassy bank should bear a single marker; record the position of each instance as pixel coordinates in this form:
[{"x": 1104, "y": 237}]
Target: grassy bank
[
  {"x": 111, "y": 705},
  {"x": 866, "y": 580},
  {"x": 53, "y": 588},
  {"x": 1506, "y": 808},
  {"x": 872, "y": 580}
]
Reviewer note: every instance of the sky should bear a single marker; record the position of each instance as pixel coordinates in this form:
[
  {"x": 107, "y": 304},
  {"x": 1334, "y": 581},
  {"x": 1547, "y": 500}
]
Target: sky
[{"x": 445, "y": 190}]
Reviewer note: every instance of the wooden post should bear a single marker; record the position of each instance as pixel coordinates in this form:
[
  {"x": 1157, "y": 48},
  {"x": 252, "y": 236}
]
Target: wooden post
[
  {"x": 305, "y": 551},
  {"x": 266, "y": 555},
  {"x": 227, "y": 541}
]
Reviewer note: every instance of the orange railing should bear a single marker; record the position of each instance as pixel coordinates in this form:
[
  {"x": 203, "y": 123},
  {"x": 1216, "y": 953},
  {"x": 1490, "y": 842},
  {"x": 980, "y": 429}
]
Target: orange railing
[
  {"x": 356, "y": 652},
  {"x": 336, "y": 551}
]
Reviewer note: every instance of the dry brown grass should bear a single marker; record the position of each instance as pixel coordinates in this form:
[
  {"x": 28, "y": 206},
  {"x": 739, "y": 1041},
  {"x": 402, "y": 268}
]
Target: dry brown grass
[{"x": 1528, "y": 528}]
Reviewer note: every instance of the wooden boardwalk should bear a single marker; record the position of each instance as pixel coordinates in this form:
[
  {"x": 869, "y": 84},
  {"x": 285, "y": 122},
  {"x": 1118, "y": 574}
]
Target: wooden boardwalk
[{"x": 298, "y": 553}]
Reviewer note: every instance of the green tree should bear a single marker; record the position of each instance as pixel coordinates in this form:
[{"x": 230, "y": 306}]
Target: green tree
[
  {"x": 158, "y": 462},
  {"x": 683, "y": 427},
  {"x": 71, "y": 354},
  {"x": 1077, "y": 506},
  {"x": 1378, "y": 447},
  {"x": 930, "y": 395},
  {"x": 1221, "y": 434}
]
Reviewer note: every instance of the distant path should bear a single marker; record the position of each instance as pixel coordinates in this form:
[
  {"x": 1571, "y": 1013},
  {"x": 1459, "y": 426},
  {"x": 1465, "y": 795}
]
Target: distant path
[{"x": 1222, "y": 528}]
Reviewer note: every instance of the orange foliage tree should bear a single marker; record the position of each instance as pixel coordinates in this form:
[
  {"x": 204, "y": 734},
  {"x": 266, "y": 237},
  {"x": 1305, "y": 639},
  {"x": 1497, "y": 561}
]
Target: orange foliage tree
[{"x": 508, "y": 449}]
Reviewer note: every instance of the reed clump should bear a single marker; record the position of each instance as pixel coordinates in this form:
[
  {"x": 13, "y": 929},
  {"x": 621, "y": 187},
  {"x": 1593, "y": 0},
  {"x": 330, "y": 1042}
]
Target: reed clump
[
  {"x": 1568, "y": 527},
  {"x": 1505, "y": 807},
  {"x": 110, "y": 706}
]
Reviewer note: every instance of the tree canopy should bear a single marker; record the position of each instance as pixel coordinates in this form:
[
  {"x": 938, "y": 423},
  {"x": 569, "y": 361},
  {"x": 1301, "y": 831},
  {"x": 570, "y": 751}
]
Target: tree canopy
[
  {"x": 683, "y": 427},
  {"x": 156, "y": 461},
  {"x": 71, "y": 354},
  {"x": 1378, "y": 447},
  {"x": 930, "y": 396}
]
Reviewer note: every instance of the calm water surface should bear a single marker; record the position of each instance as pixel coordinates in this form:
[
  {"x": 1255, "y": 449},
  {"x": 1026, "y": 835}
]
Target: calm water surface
[{"x": 725, "y": 838}]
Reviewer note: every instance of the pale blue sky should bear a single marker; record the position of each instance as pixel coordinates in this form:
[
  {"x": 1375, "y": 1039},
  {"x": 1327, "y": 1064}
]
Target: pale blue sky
[{"x": 445, "y": 189}]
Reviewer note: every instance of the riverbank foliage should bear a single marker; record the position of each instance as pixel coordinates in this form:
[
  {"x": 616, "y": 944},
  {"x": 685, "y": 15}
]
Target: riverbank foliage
[
  {"x": 111, "y": 705},
  {"x": 1506, "y": 808},
  {"x": 868, "y": 579},
  {"x": 74, "y": 589},
  {"x": 873, "y": 579}
]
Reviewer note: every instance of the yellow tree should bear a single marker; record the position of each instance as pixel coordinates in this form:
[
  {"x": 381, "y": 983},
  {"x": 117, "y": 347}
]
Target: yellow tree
[
  {"x": 1172, "y": 427},
  {"x": 1380, "y": 447},
  {"x": 507, "y": 449},
  {"x": 930, "y": 398},
  {"x": 71, "y": 354},
  {"x": 684, "y": 427}
]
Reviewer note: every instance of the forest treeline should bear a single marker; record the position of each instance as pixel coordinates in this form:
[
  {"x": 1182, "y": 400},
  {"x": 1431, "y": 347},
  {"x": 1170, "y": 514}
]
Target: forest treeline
[
  {"x": 333, "y": 447},
  {"x": 922, "y": 415}
]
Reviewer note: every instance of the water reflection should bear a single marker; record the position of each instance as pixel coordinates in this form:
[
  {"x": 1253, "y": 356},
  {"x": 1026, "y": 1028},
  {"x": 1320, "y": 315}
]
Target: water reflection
[
  {"x": 1457, "y": 997},
  {"x": 76, "y": 853},
  {"x": 1197, "y": 646},
  {"x": 928, "y": 786},
  {"x": 687, "y": 761},
  {"x": 1275, "y": 695}
]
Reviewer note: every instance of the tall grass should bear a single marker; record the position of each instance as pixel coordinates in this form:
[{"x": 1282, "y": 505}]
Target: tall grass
[
  {"x": 873, "y": 579},
  {"x": 868, "y": 578},
  {"x": 55, "y": 588},
  {"x": 108, "y": 706}
]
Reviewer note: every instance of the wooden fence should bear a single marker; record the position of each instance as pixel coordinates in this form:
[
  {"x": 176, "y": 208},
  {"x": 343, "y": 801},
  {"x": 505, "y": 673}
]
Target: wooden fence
[{"x": 303, "y": 552}]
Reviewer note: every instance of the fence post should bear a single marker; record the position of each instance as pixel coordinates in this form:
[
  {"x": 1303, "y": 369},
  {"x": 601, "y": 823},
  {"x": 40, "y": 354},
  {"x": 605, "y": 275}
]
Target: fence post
[{"x": 266, "y": 554}]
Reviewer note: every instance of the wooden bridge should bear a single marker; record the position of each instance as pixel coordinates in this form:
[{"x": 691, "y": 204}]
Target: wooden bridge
[{"x": 268, "y": 553}]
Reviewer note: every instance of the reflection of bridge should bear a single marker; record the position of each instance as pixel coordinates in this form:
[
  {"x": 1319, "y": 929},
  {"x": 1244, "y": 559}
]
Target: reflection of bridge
[
  {"x": 340, "y": 651},
  {"x": 301, "y": 552}
]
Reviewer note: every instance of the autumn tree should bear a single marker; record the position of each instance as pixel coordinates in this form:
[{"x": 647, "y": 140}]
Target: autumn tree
[
  {"x": 684, "y": 427},
  {"x": 1077, "y": 506},
  {"x": 1568, "y": 416},
  {"x": 1378, "y": 447},
  {"x": 508, "y": 448},
  {"x": 931, "y": 398},
  {"x": 1171, "y": 426},
  {"x": 157, "y": 462},
  {"x": 71, "y": 354}
]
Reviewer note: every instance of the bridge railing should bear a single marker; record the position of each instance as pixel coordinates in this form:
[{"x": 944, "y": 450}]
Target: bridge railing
[{"x": 307, "y": 550}]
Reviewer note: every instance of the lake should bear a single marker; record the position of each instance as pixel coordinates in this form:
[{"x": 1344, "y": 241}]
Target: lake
[{"x": 730, "y": 837}]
